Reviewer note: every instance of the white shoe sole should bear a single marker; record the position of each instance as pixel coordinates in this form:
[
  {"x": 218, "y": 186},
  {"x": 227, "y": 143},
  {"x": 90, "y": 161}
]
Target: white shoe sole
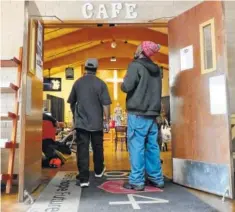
[
  {"x": 101, "y": 175},
  {"x": 84, "y": 185}
]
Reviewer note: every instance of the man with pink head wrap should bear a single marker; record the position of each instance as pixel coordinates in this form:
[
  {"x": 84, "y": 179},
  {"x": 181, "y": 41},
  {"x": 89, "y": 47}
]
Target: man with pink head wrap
[
  {"x": 143, "y": 85},
  {"x": 147, "y": 48}
]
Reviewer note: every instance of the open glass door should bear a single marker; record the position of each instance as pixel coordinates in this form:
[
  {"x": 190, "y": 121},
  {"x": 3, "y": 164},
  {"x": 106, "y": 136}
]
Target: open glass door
[
  {"x": 200, "y": 118},
  {"x": 31, "y": 107}
]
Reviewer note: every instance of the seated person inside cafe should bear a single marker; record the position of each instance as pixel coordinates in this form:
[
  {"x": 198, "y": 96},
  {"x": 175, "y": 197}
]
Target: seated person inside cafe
[
  {"x": 48, "y": 117},
  {"x": 52, "y": 151}
]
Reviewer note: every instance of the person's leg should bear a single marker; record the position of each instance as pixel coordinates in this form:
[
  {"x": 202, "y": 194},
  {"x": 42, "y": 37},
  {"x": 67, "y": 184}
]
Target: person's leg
[
  {"x": 98, "y": 152},
  {"x": 159, "y": 139},
  {"x": 83, "y": 139},
  {"x": 136, "y": 135},
  {"x": 152, "y": 157}
]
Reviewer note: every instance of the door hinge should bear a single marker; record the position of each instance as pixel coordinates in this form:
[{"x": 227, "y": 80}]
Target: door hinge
[
  {"x": 28, "y": 198},
  {"x": 224, "y": 195}
]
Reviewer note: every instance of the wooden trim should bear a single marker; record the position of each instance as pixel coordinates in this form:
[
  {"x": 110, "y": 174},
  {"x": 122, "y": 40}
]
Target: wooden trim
[
  {"x": 6, "y": 144},
  {"x": 32, "y": 46},
  {"x": 18, "y": 62},
  {"x": 43, "y": 41},
  {"x": 14, "y": 116},
  {"x": 201, "y": 26},
  {"x": 6, "y": 90},
  {"x": 8, "y": 116},
  {"x": 233, "y": 119},
  {"x": 10, "y": 89},
  {"x": 14, "y": 62},
  {"x": 10, "y": 145},
  {"x": 14, "y": 87},
  {"x": 94, "y": 23},
  {"x": 102, "y": 53},
  {"x": 5, "y": 177},
  {"x": 82, "y": 70},
  {"x": 25, "y": 67}
]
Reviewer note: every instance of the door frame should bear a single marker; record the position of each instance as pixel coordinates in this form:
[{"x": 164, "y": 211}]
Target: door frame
[
  {"x": 76, "y": 24},
  {"x": 26, "y": 73}
]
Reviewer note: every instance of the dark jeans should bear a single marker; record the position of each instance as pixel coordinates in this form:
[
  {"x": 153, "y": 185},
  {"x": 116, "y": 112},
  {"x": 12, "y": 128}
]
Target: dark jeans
[{"x": 83, "y": 140}]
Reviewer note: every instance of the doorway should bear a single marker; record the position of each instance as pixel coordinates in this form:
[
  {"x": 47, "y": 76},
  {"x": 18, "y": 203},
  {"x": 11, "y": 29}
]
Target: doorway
[
  {"x": 190, "y": 105},
  {"x": 68, "y": 46}
]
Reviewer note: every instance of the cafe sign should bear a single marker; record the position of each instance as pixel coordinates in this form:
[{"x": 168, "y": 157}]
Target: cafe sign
[{"x": 89, "y": 11}]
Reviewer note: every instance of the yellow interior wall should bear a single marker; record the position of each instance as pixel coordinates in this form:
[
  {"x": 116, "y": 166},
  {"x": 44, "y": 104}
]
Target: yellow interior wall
[
  {"x": 121, "y": 98},
  {"x": 165, "y": 83},
  {"x": 104, "y": 75}
]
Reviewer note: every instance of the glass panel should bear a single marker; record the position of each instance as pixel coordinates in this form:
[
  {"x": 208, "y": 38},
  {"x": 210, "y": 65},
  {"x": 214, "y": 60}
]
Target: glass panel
[{"x": 208, "y": 59}]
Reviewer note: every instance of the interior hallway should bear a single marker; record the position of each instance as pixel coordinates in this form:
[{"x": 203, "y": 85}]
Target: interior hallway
[{"x": 114, "y": 161}]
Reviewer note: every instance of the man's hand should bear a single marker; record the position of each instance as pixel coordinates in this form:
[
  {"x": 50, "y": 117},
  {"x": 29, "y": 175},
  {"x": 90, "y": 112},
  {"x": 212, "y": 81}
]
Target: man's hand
[
  {"x": 159, "y": 120},
  {"x": 107, "y": 126},
  {"x": 106, "y": 109}
]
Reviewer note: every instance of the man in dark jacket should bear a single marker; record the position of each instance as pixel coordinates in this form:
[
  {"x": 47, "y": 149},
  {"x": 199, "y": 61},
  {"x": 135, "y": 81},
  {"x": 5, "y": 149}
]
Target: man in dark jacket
[
  {"x": 143, "y": 85},
  {"x": 90, "y": 101}
]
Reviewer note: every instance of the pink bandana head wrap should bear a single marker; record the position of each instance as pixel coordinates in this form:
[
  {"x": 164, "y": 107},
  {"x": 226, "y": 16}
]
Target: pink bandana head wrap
[{"x": 150, "y": 48}]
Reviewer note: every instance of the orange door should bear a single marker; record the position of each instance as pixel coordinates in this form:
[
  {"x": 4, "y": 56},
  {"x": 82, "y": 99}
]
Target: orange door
[
  {"x": 200, "y": 120},
  {"x": 30, "y": 170}
]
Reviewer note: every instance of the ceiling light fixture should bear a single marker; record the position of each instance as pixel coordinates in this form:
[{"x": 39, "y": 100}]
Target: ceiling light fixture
[
  {"x": 113, "y": 59},
  {"x": 113, "y": 44}
]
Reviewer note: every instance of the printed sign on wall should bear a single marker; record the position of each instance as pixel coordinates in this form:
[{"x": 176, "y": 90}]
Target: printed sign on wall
[{"x": 52, "y": 84}]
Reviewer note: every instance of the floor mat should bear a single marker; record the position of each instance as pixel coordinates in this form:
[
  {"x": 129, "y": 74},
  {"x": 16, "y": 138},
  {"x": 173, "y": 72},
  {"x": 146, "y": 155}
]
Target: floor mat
[
  {"x": 107, "y": 194},
  {"x": 60, "y": 195}
]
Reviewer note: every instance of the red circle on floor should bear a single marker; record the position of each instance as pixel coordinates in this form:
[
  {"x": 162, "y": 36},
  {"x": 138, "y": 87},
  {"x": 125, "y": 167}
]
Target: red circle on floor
[{"x": 116, "y": 187}]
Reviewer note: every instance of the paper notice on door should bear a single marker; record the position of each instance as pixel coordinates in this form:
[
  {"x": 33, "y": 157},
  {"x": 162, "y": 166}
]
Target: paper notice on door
[
  {"x": 186, "y": 58},
  {"x": 218, "y": 100}
]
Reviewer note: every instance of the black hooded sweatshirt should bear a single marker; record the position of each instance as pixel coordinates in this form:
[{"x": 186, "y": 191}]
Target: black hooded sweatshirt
[{"x": 143, "y": 85}]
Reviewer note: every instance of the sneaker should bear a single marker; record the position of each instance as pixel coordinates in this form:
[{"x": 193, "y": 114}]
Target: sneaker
[
  {"x": 133, "y": 187},
  {"x": 77, "y": 180},
  {"x": 102, "y": 173},
  {"x": 84, "y": 185},
  {"x": 157, "y": 185}
]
